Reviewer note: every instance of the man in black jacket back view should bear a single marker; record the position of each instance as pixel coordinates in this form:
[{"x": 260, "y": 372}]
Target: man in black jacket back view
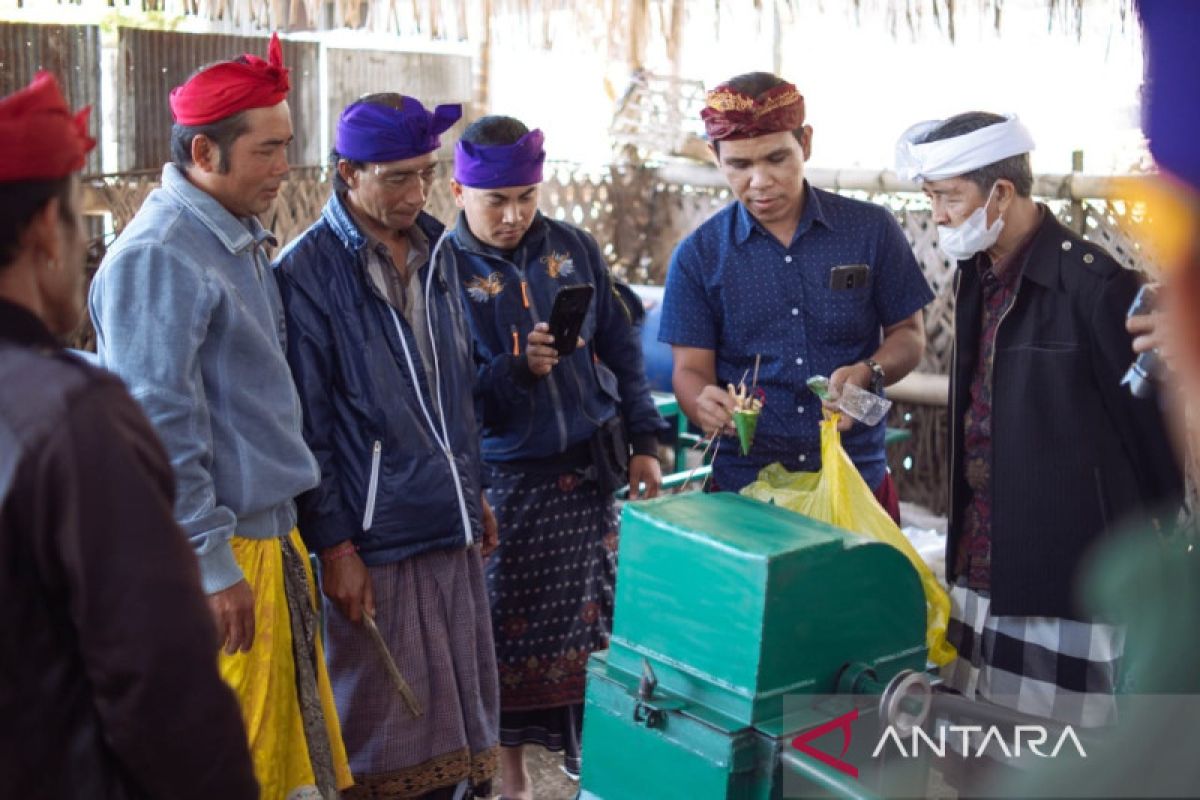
[
  {"x": 1048, "y": 451},
  {"x": 108, "y": 673}
]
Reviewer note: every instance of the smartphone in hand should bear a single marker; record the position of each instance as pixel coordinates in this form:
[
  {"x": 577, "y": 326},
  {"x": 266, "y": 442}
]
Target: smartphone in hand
[{"x": 566, "y": 318}]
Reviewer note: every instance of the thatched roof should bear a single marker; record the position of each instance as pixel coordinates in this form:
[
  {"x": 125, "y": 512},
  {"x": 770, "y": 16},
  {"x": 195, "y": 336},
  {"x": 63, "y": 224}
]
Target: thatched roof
[{"x": 625, "y": 24}]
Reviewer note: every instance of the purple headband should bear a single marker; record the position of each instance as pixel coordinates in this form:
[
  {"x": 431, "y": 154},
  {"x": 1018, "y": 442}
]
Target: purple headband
[
  {"x": 376, "y": 133},
  {"x": 502, "y": 165}
]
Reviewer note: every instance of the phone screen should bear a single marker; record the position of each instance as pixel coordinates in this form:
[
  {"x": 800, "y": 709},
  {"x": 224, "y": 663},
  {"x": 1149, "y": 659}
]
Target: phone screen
[{"x": 566, "y": 318}]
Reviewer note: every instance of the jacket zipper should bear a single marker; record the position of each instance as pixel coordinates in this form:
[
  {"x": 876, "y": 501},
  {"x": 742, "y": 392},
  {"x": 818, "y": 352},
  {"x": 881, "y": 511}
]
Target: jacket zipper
[
  {"x": 372, "y": 486},
  {"x": 444, "y": 446},
  {"x": 555, "y": 397},
  {"x": 437, "y": 381}
]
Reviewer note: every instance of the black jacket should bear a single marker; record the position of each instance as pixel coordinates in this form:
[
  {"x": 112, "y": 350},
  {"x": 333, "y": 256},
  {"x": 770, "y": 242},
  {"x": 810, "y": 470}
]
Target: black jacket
[
  {"x": 1073, "y": 452},
  {"x": 108, "y": 655}
]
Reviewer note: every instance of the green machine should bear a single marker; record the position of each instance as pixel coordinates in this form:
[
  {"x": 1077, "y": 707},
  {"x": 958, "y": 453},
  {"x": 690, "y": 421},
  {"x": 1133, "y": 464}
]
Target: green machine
[{"x": 739, "y": 627}]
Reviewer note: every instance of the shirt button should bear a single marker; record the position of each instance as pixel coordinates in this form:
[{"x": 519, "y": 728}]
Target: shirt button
[
  {"x": 799, "y": 409},
  {"x": 802, "y": 457},
  {"x": 799, "y": 361},
  {"x": 1066, "y": 245},
  {"x": 795, "y": 311},
  {"x": 787, "y": 259}
]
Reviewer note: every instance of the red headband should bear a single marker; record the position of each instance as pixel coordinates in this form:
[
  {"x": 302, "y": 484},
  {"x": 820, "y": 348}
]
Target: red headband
[
  {"x": 40, "y": 139},
  {"x": 229, "y": 87},
  {"x": 730, "y": 114}
]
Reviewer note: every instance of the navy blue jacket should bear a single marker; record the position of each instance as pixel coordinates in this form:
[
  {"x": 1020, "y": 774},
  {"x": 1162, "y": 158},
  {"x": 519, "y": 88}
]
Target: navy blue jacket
[
  {"x": 371, "y": 414},
  {"x": 525, "y": 418}
]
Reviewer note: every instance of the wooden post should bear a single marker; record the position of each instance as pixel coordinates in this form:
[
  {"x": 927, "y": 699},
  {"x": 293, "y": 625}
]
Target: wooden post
[
  {"x": 776, "y": 40},
  {"x": 1078, "y": 212},
  {"x": 639, "y": 31},
  {"x": 483, "y": 72}
]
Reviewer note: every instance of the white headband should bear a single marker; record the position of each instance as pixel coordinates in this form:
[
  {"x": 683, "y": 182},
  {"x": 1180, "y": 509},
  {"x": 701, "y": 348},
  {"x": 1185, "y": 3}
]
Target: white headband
[{"x": 958, "y": 155}]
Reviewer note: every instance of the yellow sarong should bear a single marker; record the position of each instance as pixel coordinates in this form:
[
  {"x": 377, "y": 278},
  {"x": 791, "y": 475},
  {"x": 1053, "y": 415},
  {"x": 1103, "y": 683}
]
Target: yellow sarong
[{"x": 264, "y": 679}]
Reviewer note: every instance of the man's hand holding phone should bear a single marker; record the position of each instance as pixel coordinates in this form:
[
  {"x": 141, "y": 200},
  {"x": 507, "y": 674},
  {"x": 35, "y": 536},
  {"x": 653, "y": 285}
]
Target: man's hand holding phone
[{"x": 540, "y": 354}]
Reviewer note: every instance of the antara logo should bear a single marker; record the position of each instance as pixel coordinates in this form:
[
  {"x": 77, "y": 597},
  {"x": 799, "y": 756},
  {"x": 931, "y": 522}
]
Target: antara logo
[
  {"x": 843, "y": 722},
  {"x": 1031, "y": 738}
]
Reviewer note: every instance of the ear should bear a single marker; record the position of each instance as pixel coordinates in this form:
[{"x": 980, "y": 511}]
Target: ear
[
  {"x": 715, "y": 153},
  {"x": 205, "y": 153},
  {"x": 806, "y": 141},
  {"x": 41, "y": 236},
  {"x": 1006, "y": 192},
  {"x": 347, "y": 173},
  {"x": 456, "y": 189}
]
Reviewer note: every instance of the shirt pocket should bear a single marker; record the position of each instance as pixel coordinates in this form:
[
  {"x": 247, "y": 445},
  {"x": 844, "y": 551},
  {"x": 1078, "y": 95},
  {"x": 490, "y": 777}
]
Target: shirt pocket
[{"x": 841, "y": 314}]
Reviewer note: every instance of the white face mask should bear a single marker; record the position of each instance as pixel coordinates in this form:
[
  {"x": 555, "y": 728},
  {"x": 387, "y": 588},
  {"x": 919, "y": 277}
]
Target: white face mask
[{"x": 972, "y": 235}]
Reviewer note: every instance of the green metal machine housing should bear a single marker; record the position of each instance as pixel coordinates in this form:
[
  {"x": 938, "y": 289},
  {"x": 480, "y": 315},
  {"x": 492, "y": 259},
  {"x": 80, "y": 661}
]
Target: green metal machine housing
[{"x": 738, "y": 627}]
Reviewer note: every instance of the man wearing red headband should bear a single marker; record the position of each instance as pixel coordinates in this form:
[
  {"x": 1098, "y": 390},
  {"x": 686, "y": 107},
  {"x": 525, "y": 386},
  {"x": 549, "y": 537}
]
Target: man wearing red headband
[
  {"x": 106, "y": 651},
  {"x": 799, "y": 281},
  {"x": 187, "y": 313}
]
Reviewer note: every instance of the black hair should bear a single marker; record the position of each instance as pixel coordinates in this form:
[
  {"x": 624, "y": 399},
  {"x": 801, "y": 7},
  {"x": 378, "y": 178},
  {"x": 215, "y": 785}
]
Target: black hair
[
  {"x": 223, "y": 133},
  {"x": 495, "y": 130},
  {"x": 20, "y": 201},
  {"x": 755, "y": 84},
  {"x": 1015, "y": 169},
  {"x": 389, "y": 99}
]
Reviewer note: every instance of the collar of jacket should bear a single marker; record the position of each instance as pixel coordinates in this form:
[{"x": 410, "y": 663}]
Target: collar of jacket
[
  {"x": 530, "y": 242},
  {"x": 236, "y": 234},
  {"x": 1043, "y": 260},
  {"x": 338, "y": 217},
  {"x": 21, "y": 326}
]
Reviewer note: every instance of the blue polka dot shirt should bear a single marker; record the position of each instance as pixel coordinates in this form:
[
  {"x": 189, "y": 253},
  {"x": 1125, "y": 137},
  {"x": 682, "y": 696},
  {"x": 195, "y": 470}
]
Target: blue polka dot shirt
[{"x": 733, "y": 288}]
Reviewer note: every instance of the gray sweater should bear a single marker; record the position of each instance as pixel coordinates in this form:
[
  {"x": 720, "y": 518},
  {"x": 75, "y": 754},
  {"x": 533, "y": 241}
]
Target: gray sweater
[{"x": 187, "y": 313}]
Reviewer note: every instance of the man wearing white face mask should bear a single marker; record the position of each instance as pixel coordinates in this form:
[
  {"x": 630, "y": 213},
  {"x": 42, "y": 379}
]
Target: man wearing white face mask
[{"x": 1047, "y": 449}]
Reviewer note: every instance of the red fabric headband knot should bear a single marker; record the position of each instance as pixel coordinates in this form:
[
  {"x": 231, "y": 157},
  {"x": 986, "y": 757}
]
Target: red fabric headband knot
[
  {"x": 230, "y": 87},
  {"x": 730, "y": 114},
  {"x": 40, "y": 139}
]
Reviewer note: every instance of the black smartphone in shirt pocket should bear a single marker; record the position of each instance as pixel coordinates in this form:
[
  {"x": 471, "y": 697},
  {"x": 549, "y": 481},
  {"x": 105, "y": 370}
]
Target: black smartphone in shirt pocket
[
  {"x": 849, "y": 276},
  {"x": 566, "y": 317}
]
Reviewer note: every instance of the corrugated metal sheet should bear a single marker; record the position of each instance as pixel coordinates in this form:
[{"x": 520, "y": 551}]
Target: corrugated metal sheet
[
  {"x": 71, "y": 52},
  {"x": 432, "y": 78},
  {"x": 154, "y": 62}
]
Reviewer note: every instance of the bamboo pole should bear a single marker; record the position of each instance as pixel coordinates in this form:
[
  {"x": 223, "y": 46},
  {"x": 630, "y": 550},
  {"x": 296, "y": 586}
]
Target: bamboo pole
[{"x": 1071, "y": 186}]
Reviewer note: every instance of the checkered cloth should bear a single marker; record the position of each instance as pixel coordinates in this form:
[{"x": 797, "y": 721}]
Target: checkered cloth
[{"x": 1057, "y": 668}]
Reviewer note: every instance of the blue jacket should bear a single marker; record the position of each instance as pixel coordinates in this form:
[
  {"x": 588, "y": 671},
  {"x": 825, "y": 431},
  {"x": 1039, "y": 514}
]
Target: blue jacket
[
  {"x": 372, "y": 414},
  {"x": 187, "y": 314},
  {"x": 526, "y": 418}
]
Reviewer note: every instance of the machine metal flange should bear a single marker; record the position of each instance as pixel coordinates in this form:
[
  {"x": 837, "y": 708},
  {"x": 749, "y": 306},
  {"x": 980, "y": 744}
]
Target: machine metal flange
[{"x": 906, "y": 701}]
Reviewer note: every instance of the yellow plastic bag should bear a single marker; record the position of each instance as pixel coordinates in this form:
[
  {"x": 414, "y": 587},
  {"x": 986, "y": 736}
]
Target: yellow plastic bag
[{"x": 838, "y": 495}]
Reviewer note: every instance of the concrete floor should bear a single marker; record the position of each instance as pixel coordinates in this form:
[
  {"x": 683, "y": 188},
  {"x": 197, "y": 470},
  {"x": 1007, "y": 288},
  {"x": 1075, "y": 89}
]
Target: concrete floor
[{"x": 549, "y": 781}]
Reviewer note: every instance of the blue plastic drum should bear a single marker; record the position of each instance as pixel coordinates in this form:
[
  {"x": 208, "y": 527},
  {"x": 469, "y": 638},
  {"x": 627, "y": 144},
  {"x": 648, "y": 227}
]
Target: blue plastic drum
[{"x": 657, "y": 355}]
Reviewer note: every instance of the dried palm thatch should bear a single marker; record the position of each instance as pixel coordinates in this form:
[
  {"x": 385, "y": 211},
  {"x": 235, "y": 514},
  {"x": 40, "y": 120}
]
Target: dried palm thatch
[{"x": 624, "y": 27}]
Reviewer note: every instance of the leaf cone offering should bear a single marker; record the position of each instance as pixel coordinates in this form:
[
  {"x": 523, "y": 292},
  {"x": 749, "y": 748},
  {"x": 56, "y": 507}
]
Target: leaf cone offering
[
  {"x": 746, "y": 408},
  {"x": 746, "y": 421}
]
